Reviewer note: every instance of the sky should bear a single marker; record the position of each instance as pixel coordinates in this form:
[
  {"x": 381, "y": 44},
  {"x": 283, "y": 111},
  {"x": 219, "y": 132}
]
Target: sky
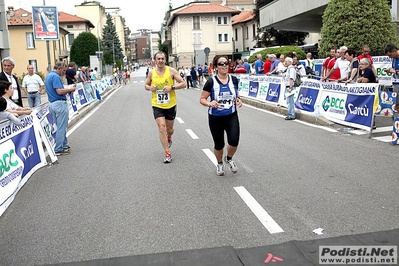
[{"x": 138, "y": 14}]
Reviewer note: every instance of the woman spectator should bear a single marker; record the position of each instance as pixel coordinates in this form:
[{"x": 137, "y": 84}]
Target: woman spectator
[
  {"x": 366, "y": 74},
  {"x": 240, "y": 69},
  {"x": 222, "y": 89},
  {"x": 6, "y": 92}
]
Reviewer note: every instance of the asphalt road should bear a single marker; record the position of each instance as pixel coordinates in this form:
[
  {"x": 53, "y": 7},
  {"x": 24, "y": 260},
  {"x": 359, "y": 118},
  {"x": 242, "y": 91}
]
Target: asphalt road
[{"x": 113, "y": 196}]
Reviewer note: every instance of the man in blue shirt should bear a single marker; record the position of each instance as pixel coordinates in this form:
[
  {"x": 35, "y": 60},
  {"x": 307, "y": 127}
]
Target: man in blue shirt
[
  {"x": 259, "y": 65},
  {"x": 247, "y": 66},
  {"x": 58, "y": 106},
  {"x": 392, "y": 52}
]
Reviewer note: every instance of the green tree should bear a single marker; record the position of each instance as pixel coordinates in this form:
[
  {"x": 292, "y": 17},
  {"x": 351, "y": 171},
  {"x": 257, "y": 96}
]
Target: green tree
[
  {"x": 272, "y": 37},
  {"x": 110, "y": 41},
  {"x": 355, "y": 23},
  {"x": 147, "y": 52},
  {"x": 83, "y": 46},
  {"x": 162, "y": 47}
]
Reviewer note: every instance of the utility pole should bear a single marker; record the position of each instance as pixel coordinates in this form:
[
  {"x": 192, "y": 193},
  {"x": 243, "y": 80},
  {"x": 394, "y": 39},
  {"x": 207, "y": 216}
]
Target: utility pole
[
  {"x": 5, "y": 44},
  {"x": 48, "y": 49}
]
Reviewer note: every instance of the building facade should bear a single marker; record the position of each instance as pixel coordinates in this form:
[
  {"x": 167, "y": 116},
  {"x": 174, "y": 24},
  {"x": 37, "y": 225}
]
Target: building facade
[
  {"x": 197, "y": 32},
  {"x": 24, "y": 49},
  {"x": 245, "y": 31}
]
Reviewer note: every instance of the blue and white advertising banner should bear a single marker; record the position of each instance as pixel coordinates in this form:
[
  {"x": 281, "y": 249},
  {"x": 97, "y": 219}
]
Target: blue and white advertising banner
[
  {"x": 350, "y": 104},
  {"x": 45, "y": 23},
  {"x": 21, "y": 154},
  {"x": 308, "y": 96}
]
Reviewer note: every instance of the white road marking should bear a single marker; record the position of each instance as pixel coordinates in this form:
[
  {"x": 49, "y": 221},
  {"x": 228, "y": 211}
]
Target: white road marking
[
  {"x": 192, "y": 134},
  {"x": 258, "y": 210},
  {"x": 180, "y": 120},
  {"x": 210, "y": 155},
  {"x": 384, "y": 138}
]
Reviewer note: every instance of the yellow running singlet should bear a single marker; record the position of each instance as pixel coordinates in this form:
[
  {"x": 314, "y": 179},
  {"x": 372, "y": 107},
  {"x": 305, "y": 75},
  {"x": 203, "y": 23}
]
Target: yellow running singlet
[{"x": 161, "y": 99}]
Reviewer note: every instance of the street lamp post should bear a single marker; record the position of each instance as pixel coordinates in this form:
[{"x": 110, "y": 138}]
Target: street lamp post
[{"x": 99, "y": 53}]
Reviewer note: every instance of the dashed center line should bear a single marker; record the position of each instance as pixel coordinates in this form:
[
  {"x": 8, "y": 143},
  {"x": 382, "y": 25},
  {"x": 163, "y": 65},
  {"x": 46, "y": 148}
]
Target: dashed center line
[
  {"x": 192, "y": 134},
  {"x": 258, "y": 210}
]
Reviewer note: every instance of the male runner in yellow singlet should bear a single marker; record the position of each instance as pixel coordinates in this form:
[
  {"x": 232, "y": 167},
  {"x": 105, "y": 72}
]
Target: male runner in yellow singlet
[{"x": 161, "y": 82}]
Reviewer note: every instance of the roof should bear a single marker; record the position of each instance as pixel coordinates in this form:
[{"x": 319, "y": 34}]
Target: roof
[
  {"x": 24, "y": 18},
  {"x": 21, "y": 17},
  {"x": 207, "y": 8},
  {"x": 195, "y": 9},
  {"x": 65, "y": 17},
  {"x": 244, "y": 16},
  {"x": 235, "y": 2}
]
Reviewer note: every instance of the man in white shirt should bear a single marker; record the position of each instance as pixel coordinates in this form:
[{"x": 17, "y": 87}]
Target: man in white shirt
[
  {"x": 32, "y": 85},
  {"x": 342, "y": 64}
]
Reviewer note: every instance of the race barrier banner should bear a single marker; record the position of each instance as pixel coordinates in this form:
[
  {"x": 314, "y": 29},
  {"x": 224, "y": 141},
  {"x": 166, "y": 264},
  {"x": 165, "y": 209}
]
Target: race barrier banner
[
  {"x": 44, "y": 122},
  {"x": 353, "y": 104},
  {"x": 21, "y": 155}
]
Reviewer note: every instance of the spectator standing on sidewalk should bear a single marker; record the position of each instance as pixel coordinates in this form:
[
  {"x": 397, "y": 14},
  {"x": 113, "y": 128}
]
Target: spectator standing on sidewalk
[
  {"x": 187, "y": 74},
  {"x": 289, "y": 78},
  {"x": 8, "y": 65},
  {"x": 70, "y": 74},
  {"x": 247, "y": 66},
  {"x": 259, "y": 65},
  {"x": 56, "y": 94},
  {"x": 32, "y": 85},
  {"x": 366, "y": 54},
  {"x": 194, "y": 76},
  {"x": 391, "y": 50},
  {"x": 161, "y": 83},
  {"x": 200, "y": 74}
]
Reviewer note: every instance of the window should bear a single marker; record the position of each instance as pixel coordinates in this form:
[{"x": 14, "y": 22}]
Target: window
[
  {"x": 253, "y": 30},
  {"x": 69, "y": 26},
  {"x": 236, "y": 34},
  {"x": 223, "y": 37},
  {"x": 34, "y": 64},
  {"x": 246, "y": 32},
  {"x": 196, "y": 23},
  {"x": 30, "y": 42},
  {"x": 71, "y": 38},
  {"x": 222, "y": 20}
]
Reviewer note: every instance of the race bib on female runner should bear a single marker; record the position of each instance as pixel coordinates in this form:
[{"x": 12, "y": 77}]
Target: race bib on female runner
[{"x": 225, "y": 101}]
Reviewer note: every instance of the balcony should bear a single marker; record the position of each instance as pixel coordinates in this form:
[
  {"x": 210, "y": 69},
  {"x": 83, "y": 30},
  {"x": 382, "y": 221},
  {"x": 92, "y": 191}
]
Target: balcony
[
  {"x": 64, "y": 53},
  {"x": 166, "y": 38}
]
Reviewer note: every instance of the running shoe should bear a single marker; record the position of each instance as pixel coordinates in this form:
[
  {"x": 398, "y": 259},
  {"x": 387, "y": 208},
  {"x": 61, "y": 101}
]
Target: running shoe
[
  {"x": 232, "y": 165},
  {"x": 220, "y": 169},
  {"x": 168, "y": 158},
  {"x": 169, "y": 141}
]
